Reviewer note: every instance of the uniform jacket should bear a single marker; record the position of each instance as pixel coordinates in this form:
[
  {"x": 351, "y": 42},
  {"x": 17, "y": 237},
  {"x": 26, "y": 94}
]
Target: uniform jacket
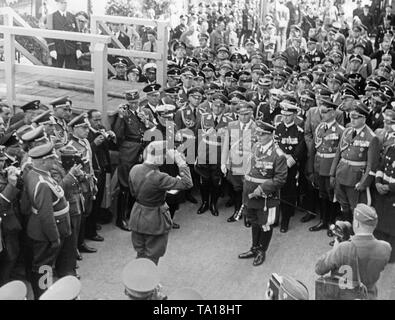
[
  {"x": 187, "y": 120},
  {"x": 61, "y": 131},
  {"x": 362, "y": 149},
  {"x": 212, "y": 136},
  {"x": 83, "y": 146},
  {"x": 326, "y": 140},
  {"x": 373, "y": 256},
  {"x": 129, "y": 128},
  {"x": 266, "y": 113},
  {"x": 47, "y": 199},
  {"x": 316, "y": 56},
  {"x": 9, "y": 207},
  {"x": 271, "y": 168},
  {"x": 313, "y": 119},
  {"x": 237, "y": 147},
  {"x": 148, "y": 185},
  {"x": 290, "y": 140},
  {"x": 292, "y": 55},
  {"x": 56, "y": 21},
  {"x": 385, "y": 204}
]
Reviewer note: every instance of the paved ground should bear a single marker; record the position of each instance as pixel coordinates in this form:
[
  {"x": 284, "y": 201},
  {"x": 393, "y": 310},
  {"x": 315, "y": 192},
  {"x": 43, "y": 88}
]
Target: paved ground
[{"x": 203, "y": 255}]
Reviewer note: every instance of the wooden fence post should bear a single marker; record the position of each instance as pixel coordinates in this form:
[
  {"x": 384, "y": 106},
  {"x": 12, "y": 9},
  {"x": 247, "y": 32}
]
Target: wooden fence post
[
  {"x": 99, "y": 66},
  {"x": 9, "y": 67},
  {"x": 162, "y": 41}
]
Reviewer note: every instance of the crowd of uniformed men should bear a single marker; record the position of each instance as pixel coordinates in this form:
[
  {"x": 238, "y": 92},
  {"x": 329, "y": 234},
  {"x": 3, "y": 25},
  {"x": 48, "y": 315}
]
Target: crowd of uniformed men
[{"x": 300, "y": 132}]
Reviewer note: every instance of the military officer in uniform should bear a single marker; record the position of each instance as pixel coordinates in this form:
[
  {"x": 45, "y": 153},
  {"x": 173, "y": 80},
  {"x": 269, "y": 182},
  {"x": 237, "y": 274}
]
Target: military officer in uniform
[
  {"x": 236, "y": 153},
  {"x": 267, "y": 111},
  {"x": 153, "y": 100},
  {"x": 61, "y": 109},
  {"x": 208, "y": 166},
  {"x": 187, "y": 120},
  {"x": 355, "y": 163},
  {"x": 140, "y": 278},
  {"x": 150, "y": 219},
  {"x": 10, "y": 226},
  {"x": 267, "y": 174},
  {"x": 79, "y": 140},
  {"x": 129, "y": 128},
  {"x": 326, "y": 139},
  {"x": 290, "y": 142},
  {"x": 385, "y": 197},
  {"x": 49, "y": 222}
]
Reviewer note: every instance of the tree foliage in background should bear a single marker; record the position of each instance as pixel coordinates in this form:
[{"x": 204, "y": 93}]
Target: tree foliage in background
[{"x": 136, "y": 8}]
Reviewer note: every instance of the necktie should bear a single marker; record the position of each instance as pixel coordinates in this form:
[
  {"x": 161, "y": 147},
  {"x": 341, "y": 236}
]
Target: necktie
[
  {"x": 243, "y": 126},
  {"x": 354, "y": 134},
  {"x": 325, "y": 127},
  {"x": 152, "y": 47},
  {"x": 215, "y": 121}
]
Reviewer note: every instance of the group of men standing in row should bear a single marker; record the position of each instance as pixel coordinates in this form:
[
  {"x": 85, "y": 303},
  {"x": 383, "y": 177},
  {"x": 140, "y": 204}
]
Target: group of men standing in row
[{"x": 53, "y": 173}]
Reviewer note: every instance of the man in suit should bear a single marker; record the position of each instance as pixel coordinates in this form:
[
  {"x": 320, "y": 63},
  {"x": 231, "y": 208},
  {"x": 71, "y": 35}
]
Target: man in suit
[
  {"x": 122, "y": 37},
  {"x": 151, "y": 45},
  {"x": 64, "y": 53},
  {"x": 387, "y": 15},
  {"x": 293, "y": 52},
  {"x": 372, "y": 254}
]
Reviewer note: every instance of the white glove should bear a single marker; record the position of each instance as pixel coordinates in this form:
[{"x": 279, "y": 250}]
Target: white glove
[
  {"x": 54, "y": 54},
  {"x": 290, "y": 161},
  {"x": 78, "y": 54},
  {"x": 224, "y": 169}
]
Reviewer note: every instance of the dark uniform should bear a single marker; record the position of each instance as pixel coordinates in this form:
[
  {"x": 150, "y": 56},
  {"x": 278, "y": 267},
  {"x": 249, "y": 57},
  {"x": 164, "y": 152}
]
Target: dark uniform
[
  {"x": 385, "y": 202},
  {"x": 326, "y": 139},
  {"x": 208, "y": 164},
  {"x": 66, "y": 50},
  {"x": 61, "y": 131},
  {"x": 129, "y": 131},
  {"x": 10, "y": 226},
  {"x": 355, "y": 163},
  {"x": 290, "y": 141},
  {"x": 88, "y": 186},
  {"x": 49, "y": 222},
  {"x": 262, "y": 183},
  {"x": 150, "y": 220}
]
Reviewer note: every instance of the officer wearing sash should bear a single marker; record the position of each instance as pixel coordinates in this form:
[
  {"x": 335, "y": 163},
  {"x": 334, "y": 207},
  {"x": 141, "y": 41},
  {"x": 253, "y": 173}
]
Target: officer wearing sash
[
  {"x": 355, "y": 163},
  {"x": 267, "y": 174},
  {"x": 326, "y": 139},
  {"x": 236, "y": 153},
  {"x": 49, "y": 223},
  {"x": 150, "y": 219},
  {"x": 213, "y": 126}
]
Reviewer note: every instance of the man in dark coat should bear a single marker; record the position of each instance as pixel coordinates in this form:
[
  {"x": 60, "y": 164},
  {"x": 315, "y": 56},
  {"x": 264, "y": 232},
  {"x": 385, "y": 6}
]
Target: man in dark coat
[{"x": 63, "y": 52}]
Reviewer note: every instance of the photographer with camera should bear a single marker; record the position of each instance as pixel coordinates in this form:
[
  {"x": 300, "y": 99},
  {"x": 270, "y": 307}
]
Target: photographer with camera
[
  {"x": 363, "y": 257},
  {"x": 101, "y": 141},
  {"x": 70, "y": 176}
]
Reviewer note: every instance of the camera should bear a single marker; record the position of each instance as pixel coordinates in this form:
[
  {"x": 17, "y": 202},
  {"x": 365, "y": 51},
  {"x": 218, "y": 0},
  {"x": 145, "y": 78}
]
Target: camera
[
  {"x": 342, "y": 230},
  {"x": 68, "y": 161}
]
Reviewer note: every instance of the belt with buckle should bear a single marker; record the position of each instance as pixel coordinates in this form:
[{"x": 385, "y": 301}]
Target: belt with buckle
[
  {"x": 354, "y": 163},
  {"x": 255, "y": 180},
  {"x": 326, "y": 155}
]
